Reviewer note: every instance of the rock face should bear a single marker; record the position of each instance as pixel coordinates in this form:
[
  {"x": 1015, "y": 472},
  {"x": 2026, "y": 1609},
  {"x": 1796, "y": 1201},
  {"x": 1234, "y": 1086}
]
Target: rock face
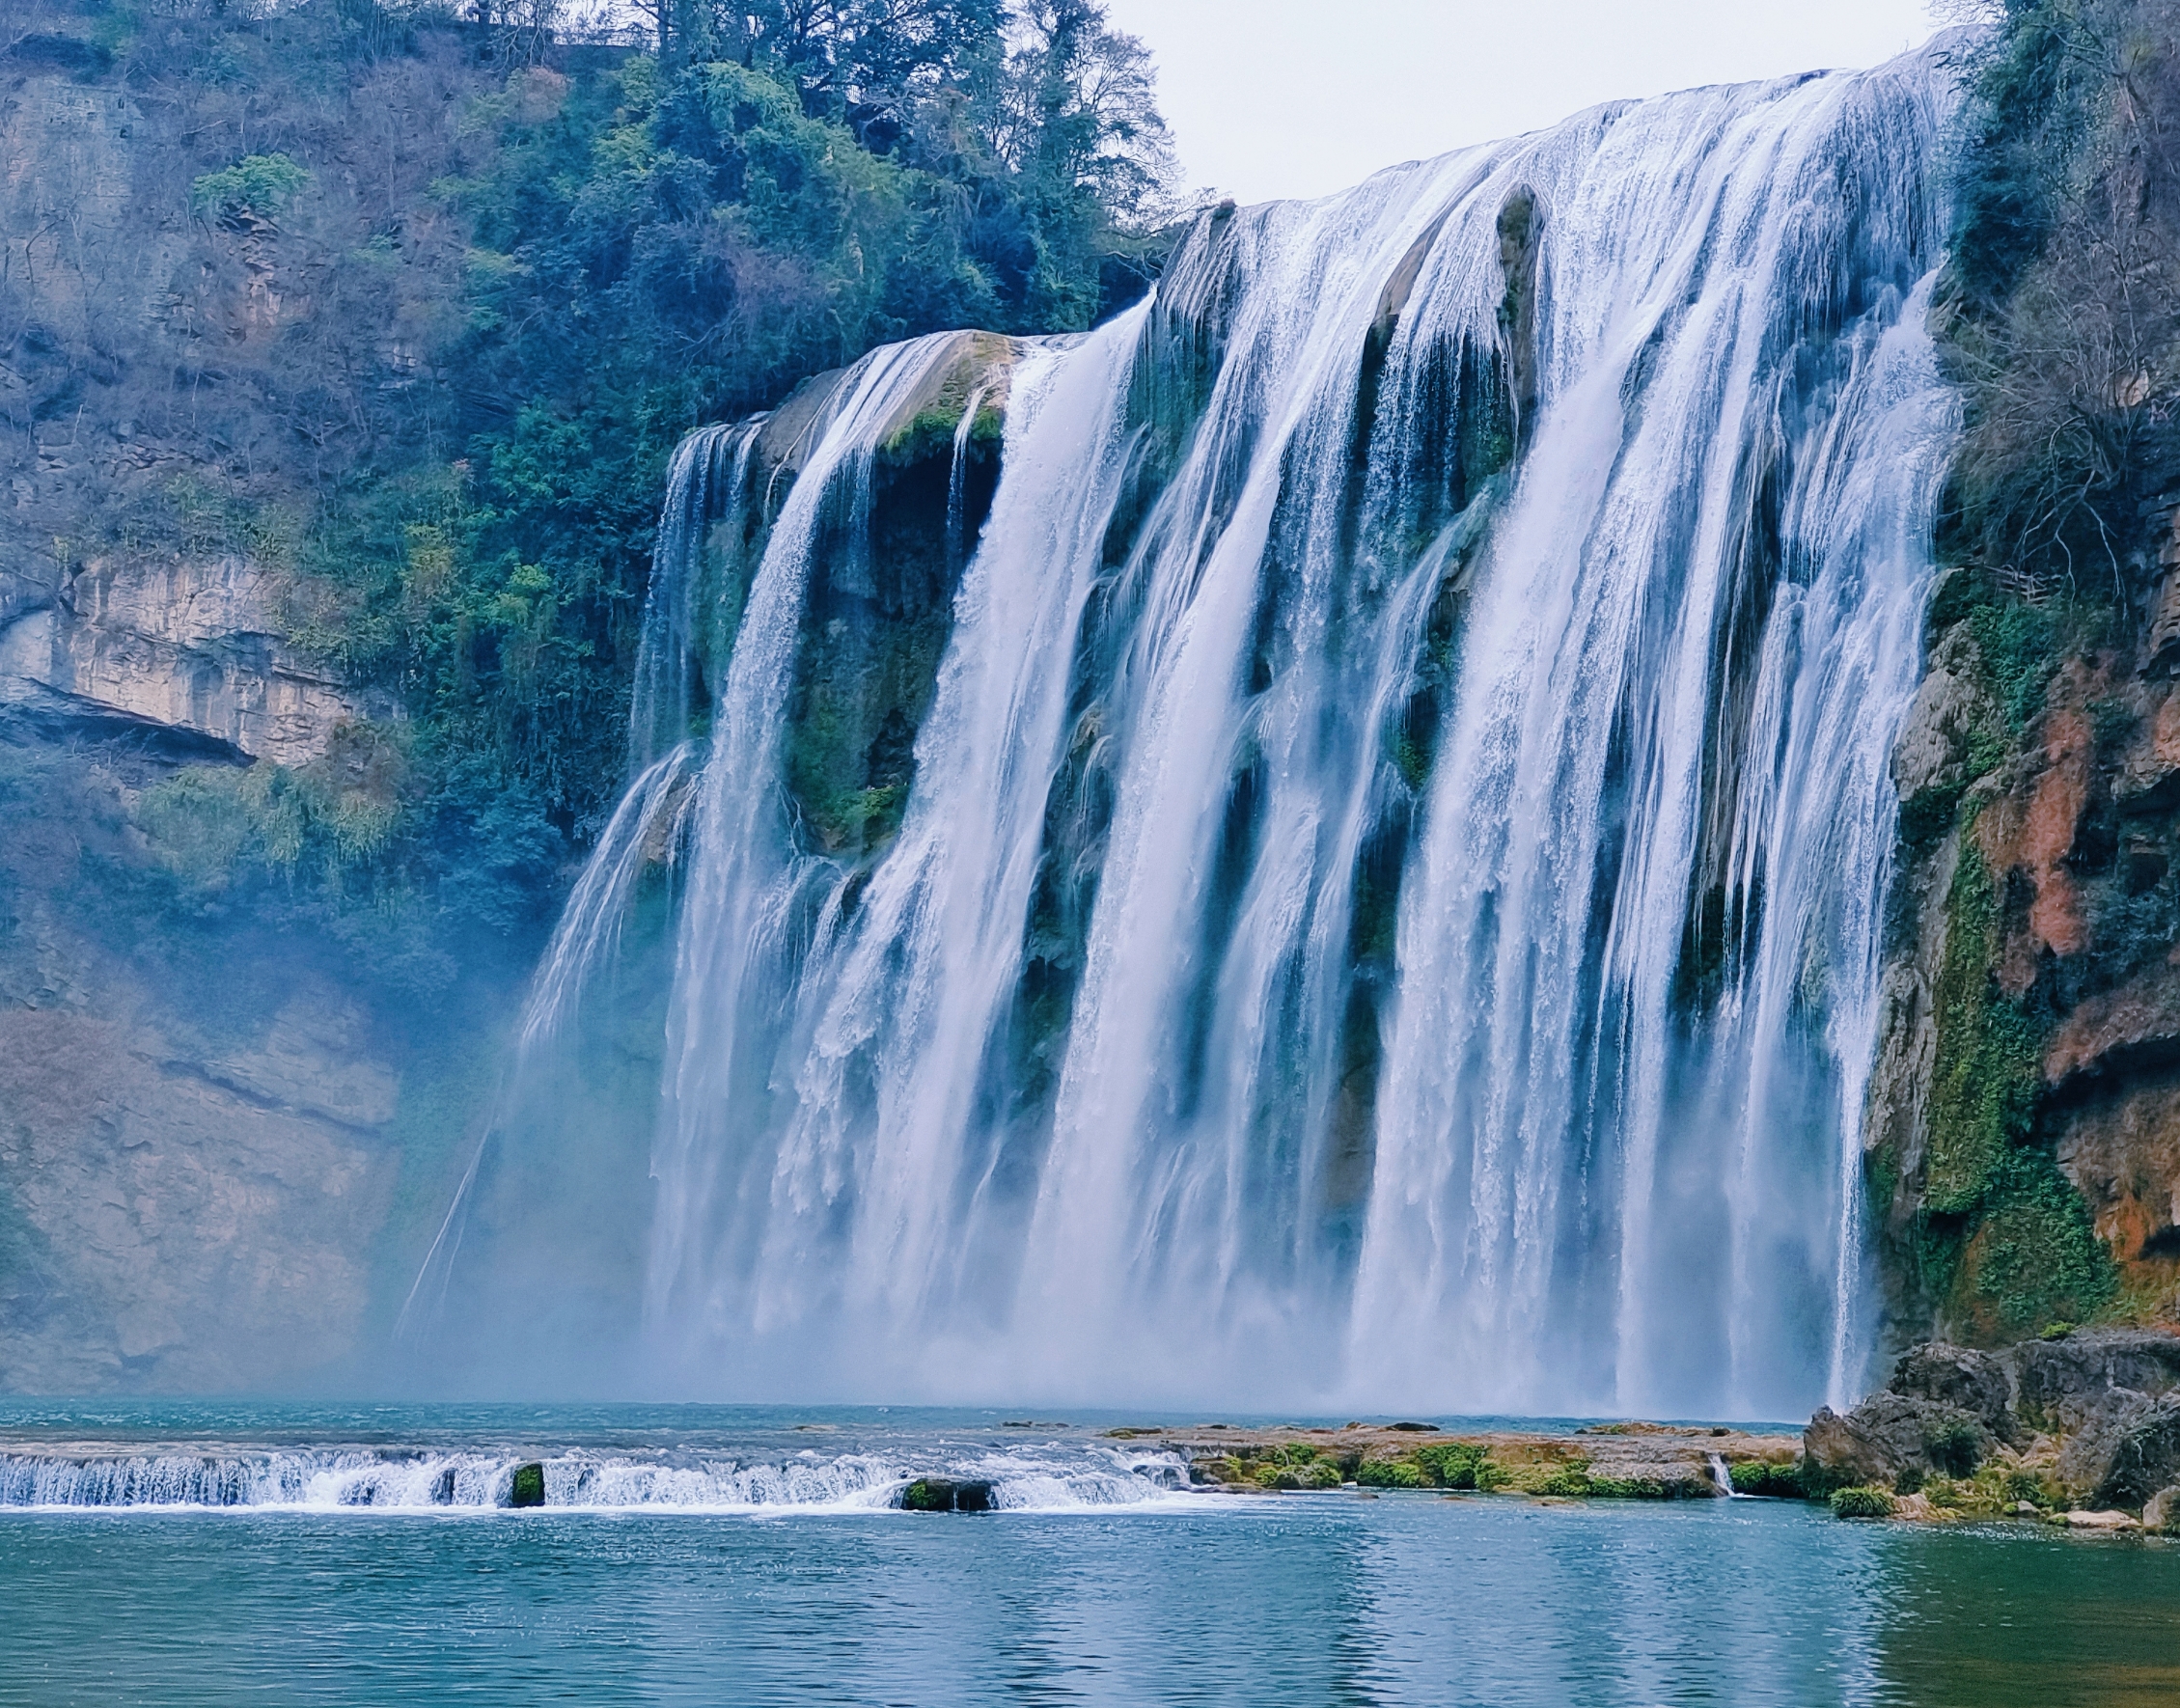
[
  {"x": 2022, "y": 1127},
  {"x": 2098, "y": 1410},
  {"x": 177, "y": 1224},
  {"x": 197, "y": 1148},
  {"x": 178, "y": 640},
  {"x": 189, "y": 652}
]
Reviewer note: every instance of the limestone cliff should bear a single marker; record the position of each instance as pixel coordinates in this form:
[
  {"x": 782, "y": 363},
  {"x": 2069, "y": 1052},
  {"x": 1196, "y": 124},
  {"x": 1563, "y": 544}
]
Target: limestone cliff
[
  {"x": 2023, "y": 1123},
  {"x": 207, "y": 1129}
]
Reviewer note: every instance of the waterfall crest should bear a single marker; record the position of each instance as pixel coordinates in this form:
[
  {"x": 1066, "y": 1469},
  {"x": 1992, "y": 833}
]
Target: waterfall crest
[{"x": 1374, "y": 887}]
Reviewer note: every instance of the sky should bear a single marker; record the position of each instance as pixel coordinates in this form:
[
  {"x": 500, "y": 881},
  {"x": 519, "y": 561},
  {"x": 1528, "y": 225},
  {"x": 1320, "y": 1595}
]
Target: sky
[{"x": 1297, "y": 97}]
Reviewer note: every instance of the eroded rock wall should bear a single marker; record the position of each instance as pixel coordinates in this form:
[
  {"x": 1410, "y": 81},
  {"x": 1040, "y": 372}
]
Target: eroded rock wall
[{"x": 2025, "y": 1116}]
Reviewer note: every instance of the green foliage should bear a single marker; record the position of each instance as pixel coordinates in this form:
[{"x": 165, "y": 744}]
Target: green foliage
[
  {"x": 206, "y": 821},
  {"x": 1289, "y": 1475},
  {"x": 1861, "y": 1502},
  {"x": 1762, "y": 1476},
  {"x": 1391, "y": 1474},
  {"x": 1560, "y": 1479},
  {"x": 1456, "y": 1465},
  {"x": 2036, "y": 1255},
  {"x": 1955, "y": 1446},
  {"x": 2019, "y": 650},
  {"x": 257, "y": 184},
  {"x": 451, "y": 461},
  {"x": 1987, "y": 1068}
]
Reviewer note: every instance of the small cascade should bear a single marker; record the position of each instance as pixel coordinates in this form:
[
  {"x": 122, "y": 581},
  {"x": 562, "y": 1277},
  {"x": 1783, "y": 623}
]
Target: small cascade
[
  {"x": 645, "y": 830},
  {"x": 426, "y": 1480},
  {"x": 1721, "y": 1473},
  {"x": 1380, "y": 892},
  {"x": 706, "y": 486}
]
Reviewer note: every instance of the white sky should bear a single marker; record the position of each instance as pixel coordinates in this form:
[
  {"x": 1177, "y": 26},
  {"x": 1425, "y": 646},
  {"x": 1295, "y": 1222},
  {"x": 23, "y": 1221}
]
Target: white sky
[{"x": 1298, "y": 98}]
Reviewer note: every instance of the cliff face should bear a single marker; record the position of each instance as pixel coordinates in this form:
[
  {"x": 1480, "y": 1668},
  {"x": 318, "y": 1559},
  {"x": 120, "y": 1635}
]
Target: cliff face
[
  {"x": 2024, "y": 1124},
  {"x": 2025, "y": 1111},
  {"x": 203, "y": 1122}
]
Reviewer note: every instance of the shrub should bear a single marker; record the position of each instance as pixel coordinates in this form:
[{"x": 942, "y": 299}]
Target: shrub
[
  {"x": 257, "y": 184},
  {"x": 1861, "y": 1502},
  {"x": 1563, "y": 1480},
  {"x": 1761, "y": 1477},
  {"x": 1455, "y": 1465},
  {"x": 1391, "y": 1474}
]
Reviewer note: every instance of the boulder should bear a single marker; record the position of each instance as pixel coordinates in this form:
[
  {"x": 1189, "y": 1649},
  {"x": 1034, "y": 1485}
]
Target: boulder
[
  {"x": 2060, "y": 1384},
  {"x": 2105, "y": 1403},
  {"x": 1891, "y": 1434},
  {"x": 1962, "y": 1378},
  {"x": 2146, "y": 1453},
  {"x": 528, "y": 1489},
  {"x": 941, "y": 1494},
  {"x": 2162, "y": 1511},
  {"x": 2100, "y": 1521}
]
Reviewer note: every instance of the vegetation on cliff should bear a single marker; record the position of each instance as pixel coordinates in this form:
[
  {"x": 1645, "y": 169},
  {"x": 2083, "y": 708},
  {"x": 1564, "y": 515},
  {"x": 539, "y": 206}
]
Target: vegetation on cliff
[
  {"x": 447, "y": 292},
  {"x": 2039, "y": 832}
]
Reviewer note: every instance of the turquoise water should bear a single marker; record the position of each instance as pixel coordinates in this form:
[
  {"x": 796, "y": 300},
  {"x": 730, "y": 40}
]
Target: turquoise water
[{"x": 1102, "y": 1586}]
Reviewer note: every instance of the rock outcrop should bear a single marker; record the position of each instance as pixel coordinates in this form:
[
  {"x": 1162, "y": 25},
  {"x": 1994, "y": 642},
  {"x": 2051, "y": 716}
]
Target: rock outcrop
[
  {"x": 2096, "y": 1411},
  {"x": 2024, "y": 1116},
  {"x": 191, "y": 656}
]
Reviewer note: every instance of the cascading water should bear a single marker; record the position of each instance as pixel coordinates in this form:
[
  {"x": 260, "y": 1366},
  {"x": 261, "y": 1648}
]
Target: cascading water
[{"x": 1386, "y": 898}]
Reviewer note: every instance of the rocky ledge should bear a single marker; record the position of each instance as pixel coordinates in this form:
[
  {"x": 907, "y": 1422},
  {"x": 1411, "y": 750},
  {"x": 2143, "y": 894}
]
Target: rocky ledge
[
  {"x": 2082, "y": 1427},
  {"x": 1627, "y": 1461}
]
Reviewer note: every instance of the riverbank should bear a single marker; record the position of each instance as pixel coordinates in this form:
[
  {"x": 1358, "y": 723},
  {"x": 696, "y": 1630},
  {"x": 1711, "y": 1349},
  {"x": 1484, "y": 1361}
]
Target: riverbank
[
  {"x": 2078, "y": 1428},
  {"x": 1626, "y": 1461}
]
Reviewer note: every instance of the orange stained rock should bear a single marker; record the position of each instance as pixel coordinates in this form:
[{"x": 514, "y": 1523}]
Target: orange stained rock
[
  {"x": 2165, "y": 730},
  {"x": 2035, "y": 837}
]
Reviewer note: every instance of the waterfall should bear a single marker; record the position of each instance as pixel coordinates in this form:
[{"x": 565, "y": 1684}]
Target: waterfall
[{"x": 1380, "y": 899}]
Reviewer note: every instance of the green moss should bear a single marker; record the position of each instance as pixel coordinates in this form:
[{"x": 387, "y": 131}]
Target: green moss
[
  {"x": 2035, "y": 1255},
  {"x": 1629, "y": 1488},
  {"x": 929, "y": 432},
  {"x": 529, "y": 1486},
  {"x": 2020, "y": 648},
  {"x": 1985, "y": 1078},
  {"x": 1928, "y": 813}
]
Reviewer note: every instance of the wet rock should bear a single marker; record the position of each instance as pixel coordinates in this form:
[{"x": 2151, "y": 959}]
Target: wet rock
[
  {"x": 941, "y": 1494},
  {"x": 2145, "y": 1455},
  {"x": 1931, "y": 751},
  {"x": 2099, "y": 1411},
  {"x": 2059, "y": 1383},
  {"x": 2100, "y": 1521},
  {"x": 528, "y": 1488},
  {"x": 1961, "y": 1378},
  {"x": 2162, "y": 1511},
  {"x": 1891, "y": 1436}
]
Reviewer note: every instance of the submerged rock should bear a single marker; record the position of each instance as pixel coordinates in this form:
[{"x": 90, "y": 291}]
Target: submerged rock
[
  {"x": 529, "y": 1486},
  {"x": 2100, "y": 1521},
  {"x": 941, "y": 1494}
]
